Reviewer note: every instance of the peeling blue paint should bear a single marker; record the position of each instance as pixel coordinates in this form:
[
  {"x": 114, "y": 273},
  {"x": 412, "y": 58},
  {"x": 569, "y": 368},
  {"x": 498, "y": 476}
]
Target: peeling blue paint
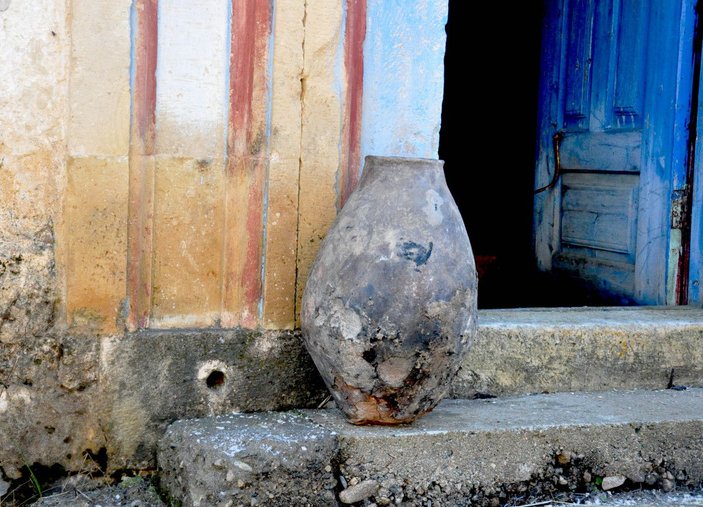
[{"x": 403, "y": 78}]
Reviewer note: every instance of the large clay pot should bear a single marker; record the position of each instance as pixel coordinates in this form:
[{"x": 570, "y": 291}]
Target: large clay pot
[{"x": 389, "y": 308}]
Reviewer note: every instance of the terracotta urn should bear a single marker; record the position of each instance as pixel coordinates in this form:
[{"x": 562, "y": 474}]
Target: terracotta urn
[{"x": 389, "y": 308}]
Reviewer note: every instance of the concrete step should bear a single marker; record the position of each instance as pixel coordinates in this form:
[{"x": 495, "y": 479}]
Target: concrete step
[
  {"x": 505, "y": 451},
  {"x": 530, "y": 350}
]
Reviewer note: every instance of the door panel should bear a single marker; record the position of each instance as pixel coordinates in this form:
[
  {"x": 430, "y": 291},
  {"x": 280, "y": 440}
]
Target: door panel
[
  {"x": 629, "y": 70},
  {"x": 578, "y": 58},
  {"x": 613, "y": 83},
  {"x": 600, "y": 213},
  {"x": 602, "y": 151}
]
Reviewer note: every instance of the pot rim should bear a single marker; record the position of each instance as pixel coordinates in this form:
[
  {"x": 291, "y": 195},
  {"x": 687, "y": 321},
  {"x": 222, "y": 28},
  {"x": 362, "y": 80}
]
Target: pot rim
[{"x": 413, "y": 161}]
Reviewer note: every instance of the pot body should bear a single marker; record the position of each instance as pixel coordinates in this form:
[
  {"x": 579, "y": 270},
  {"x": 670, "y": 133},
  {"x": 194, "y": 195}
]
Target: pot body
[{"x": 389, "y": 308}]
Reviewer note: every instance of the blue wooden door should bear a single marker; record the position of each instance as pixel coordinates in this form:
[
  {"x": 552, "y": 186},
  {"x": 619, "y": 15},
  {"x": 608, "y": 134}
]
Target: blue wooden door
[{"x": 614, "y": 105}]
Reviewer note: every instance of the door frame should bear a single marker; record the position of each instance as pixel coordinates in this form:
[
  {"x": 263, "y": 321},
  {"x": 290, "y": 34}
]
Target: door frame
[{"x": 695, "y": 195}]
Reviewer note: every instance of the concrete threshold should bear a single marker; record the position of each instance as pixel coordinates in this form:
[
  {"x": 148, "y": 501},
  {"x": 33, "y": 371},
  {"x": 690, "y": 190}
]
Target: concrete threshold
[
  {"x": 466, "y": 452},
  {"x": 536, "y": 350}
]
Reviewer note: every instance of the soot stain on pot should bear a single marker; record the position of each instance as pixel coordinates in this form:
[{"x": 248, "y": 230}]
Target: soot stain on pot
[{"x": 416, "y": 252}]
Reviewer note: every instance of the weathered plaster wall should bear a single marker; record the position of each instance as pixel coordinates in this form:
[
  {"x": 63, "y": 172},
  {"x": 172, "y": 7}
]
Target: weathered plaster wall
[
  {"x": 403, "y": 78},
  {"x": 33, "y": 105},
  {"x": 32, "y": 164},
  {"x": 167, "y": 172}
]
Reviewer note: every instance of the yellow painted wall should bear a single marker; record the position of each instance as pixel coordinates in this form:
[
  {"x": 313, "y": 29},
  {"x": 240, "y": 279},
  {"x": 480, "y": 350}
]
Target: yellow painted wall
[
  {"x": 65, "y": 153},
  {"x": 166, "y": 227}
]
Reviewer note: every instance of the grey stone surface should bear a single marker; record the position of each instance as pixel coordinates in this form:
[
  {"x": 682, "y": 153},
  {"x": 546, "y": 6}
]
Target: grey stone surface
[
  {"x": 72, "y": 399},
  {"x": 99, "y": 404},
  {"x": 249, "y": 459},
  {"x": 48, "y": 388},
  {"x": 158, "y": 377},
  {"x": 464, "y": 451},
  {"x": 523, "y": 351}
]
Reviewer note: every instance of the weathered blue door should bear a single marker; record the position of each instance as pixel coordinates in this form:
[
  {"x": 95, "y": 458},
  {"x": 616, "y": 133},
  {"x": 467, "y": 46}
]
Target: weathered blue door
[{"x": 615, "y": 99}]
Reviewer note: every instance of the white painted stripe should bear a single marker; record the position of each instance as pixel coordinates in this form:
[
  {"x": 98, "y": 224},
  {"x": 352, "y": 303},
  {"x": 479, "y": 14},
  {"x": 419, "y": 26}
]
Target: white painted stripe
[{"x": 191, "y": 77}]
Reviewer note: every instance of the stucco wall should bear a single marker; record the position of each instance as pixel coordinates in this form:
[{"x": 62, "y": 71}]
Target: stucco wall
[{"x": 168, "y": 166}]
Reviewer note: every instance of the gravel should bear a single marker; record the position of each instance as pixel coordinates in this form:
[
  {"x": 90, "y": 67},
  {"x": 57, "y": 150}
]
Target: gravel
[{"x": 81, "y": 491}]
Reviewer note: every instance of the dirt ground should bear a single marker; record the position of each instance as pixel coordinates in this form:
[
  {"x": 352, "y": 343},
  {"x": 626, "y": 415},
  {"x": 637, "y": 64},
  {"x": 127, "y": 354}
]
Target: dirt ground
[{"x": 82, "y": 491}]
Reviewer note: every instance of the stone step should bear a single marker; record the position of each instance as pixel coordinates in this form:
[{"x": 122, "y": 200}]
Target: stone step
[
  {"x": 523, "y": 351},
  {"x": 466, "y": 452}
]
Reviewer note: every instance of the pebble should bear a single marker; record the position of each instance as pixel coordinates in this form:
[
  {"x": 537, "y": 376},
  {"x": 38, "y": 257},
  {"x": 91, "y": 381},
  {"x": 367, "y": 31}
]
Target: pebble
[
  {"x": 612, "y": 482},
  {"x": 564, "y": 457},
  {"x": 242, "y": 466},
  {"x": 4, "y": 487},
  {"x": 359, "y": 492}
]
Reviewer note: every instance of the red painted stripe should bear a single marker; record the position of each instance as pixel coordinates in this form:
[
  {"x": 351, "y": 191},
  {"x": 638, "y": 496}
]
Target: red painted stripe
[
  {"x": 141, "y": 181},
  {"x": 246, "y": 167},
  {"x": 145, "y": 75},
  {"x": 355, "y": 32}
]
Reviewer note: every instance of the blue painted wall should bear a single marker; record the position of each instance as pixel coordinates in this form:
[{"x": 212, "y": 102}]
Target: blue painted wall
[{"x": 403, "y": 78}]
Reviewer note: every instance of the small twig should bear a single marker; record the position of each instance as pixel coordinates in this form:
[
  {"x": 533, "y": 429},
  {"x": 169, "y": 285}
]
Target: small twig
[
  {"x": 59, "y": 494},
  {"x": 324, "y": 402},
  {"x": 12, "y": 491},
  {"x": 85, "y": 458},
  {"x": 81, "y": 493}
]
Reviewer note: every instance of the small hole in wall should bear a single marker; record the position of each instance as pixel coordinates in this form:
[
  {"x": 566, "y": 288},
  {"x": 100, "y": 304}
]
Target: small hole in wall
[{"x": 215, "y": 380}]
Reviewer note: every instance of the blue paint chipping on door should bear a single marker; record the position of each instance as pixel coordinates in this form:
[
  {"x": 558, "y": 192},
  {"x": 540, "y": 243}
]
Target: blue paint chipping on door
[{"x": 616, "y": 84}]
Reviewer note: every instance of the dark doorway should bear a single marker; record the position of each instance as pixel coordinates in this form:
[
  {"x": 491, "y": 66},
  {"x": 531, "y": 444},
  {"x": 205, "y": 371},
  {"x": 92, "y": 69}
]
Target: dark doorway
[
  {"x": 487, "y": 139},
  {"x": 488, "y": 142}
]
